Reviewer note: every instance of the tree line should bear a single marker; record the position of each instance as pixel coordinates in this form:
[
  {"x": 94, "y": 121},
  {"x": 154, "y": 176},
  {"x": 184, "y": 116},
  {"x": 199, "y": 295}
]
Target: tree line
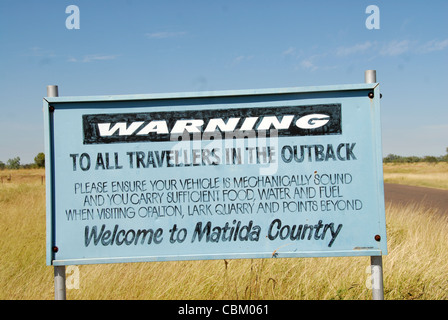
[
  {"x": 393, "y": 158},
  {"x": 14, "y": 163}
]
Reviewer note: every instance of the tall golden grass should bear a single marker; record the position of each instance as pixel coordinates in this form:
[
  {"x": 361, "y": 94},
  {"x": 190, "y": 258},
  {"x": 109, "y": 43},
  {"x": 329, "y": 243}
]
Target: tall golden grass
[
  {"x": 418, "y": 174},
  {"x": 415, "y": 267}
]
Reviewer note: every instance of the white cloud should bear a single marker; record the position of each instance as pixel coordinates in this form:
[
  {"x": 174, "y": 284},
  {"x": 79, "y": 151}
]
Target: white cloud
[
  {"x": 290, "y": 51},
  {"x": 39, "y": 52},
  {"x": 395, "y": 48},
  {"x": 315, "y": 62},
  {"x": 165, "y": 34},
  {"x": 308, "y": 64},
  {"x": 96, "y": 57},
  {"x": 357, "y": 48},
  {"x": 331, "y": 59},
  {"x": 242, "y": 58},
  {"x": 433, "y": 45},
  {"x": 93, "y": 57},
  {"x": 238, "y": 59}
]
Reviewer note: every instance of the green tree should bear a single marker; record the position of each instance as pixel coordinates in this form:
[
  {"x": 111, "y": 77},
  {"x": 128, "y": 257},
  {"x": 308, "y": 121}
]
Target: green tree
[
  {"x": 445, "y": 157},
  {"x": 39, "y": 160},
  {"x": 2, "y": 165},
  {"x": 430, "y": 159},
  {"x": 13, "y": 163},
  {"x": 391, "y": 158}
]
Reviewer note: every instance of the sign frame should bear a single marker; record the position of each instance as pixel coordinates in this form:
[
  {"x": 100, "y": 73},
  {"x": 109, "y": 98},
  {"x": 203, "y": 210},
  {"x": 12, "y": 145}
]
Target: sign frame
[{"x": 369, "y": 92}]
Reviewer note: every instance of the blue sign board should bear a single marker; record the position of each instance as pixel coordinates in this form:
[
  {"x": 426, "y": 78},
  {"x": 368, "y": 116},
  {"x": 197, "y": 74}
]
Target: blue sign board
[{"x": 293, "y": 172}]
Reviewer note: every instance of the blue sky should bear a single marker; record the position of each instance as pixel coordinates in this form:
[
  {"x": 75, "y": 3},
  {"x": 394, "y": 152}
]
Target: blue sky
[{"x": 137, "y": 46}]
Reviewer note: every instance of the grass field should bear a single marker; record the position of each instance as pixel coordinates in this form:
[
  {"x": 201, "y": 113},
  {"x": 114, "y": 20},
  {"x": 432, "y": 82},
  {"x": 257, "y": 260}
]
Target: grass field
[
  {"x": 415, "y": 267},
  {"x": 418, "y": 174}
]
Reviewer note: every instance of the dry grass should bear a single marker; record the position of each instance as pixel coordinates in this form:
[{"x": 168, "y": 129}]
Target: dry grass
[
  {"x": 418, "y": 174},
  {"x": 414, "y": 269}
]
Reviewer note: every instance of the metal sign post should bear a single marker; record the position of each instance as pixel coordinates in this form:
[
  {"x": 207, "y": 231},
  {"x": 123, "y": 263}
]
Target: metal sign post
[
  {"x": 59, "y": 271},
  {"x": 376, "y": 262}
]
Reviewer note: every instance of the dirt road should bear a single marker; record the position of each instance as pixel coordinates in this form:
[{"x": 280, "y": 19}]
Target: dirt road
[{"x": 428, "y": 197}]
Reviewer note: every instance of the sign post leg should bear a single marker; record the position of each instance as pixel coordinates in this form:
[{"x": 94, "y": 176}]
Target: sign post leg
[
  {"x": 59, "y": 283},
  {"x": 59, "y": 271},
  {"x": 376, "y": 263}
]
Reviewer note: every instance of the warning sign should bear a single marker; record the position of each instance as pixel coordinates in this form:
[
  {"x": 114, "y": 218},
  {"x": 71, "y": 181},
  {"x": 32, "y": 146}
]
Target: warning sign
[{"x": 247, "y": 174}]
